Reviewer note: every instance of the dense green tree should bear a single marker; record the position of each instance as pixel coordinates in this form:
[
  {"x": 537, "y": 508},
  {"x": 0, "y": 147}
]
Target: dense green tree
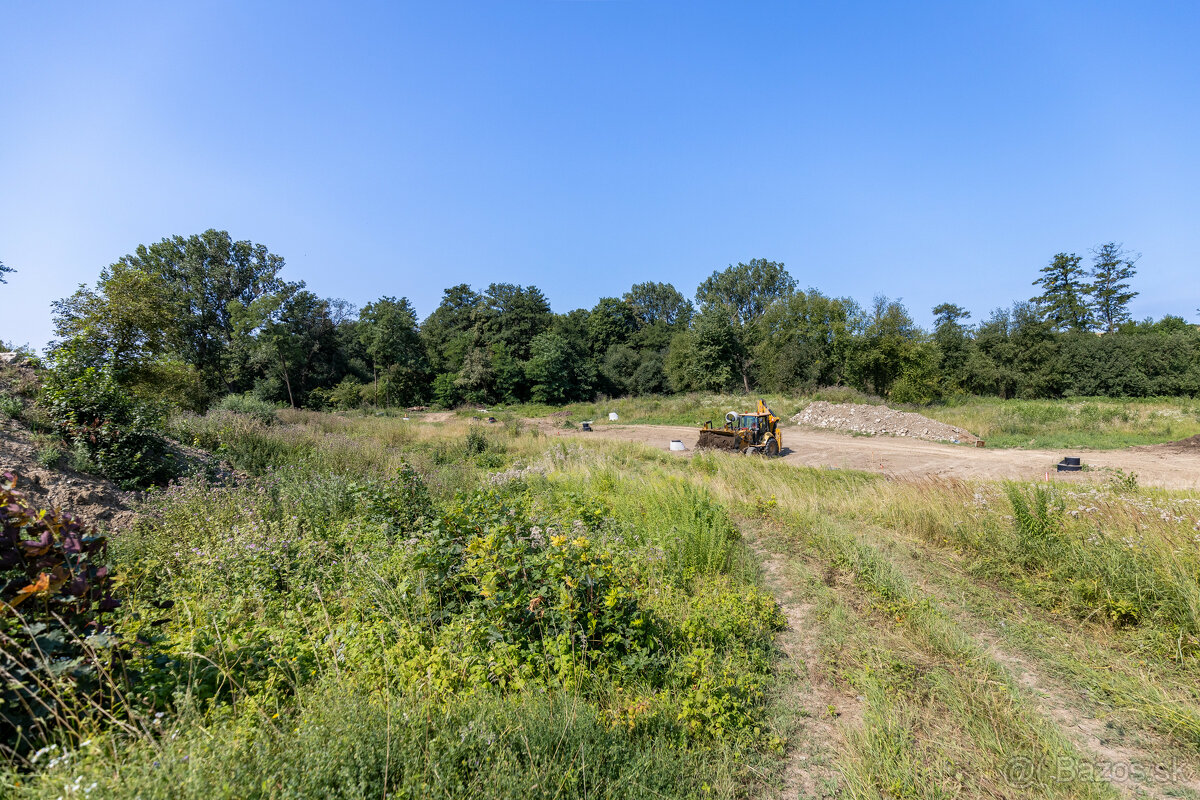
[
  {"x": 650, "y": 377},
  {"x": 807, "y": 339},
  {"x": 547, "y": 369},
  {"x": 513, "y": 315},
  {"x": 204, "y": 275},
  {"x": 509, "y": 382},
  {"x": 707, "y": 356},
  {"x": 128, "y": 326},
  {"x": 297, "y": 346},
  {"x": 745, "y": 291},
  {"x": 475, "y": 380},
  {"x": 611, "y": 322},
  {"x": 447, "y": 331},
  {"x": 387, "y": 329},
  {"x": 953, "y": 340},
  {"x": 573, "y": 328},
  {"x": 889, "y": 343},
  {"x": 620, "y": 363},
  {"x": 1064, "y": 297},
  {"x": 1112, "y": 269},
  {"x": 653, "y": 303}
]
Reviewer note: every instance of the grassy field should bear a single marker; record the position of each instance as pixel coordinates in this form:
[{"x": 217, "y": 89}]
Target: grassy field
[
  {"x": 458, "y": 610},
  {"x": 1099, "y": 423},
  {"x": 1095, "y": 422}
]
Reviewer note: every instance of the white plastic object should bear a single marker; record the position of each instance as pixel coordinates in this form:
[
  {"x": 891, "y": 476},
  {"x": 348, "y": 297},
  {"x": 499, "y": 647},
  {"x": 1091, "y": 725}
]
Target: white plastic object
[
  {"x": 612, "y": 416},
  {"x": 677, "y": 445}
]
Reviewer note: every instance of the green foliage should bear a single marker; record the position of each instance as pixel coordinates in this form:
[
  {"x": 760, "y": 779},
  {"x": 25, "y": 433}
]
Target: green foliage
[
  {"x": 1112, "y": 269},
  {"x": 11, "y": 406},
  {"x": 388, "y": 331},
  {"x": 401, "y": 502},
  {"x": 709, "y": 356},
  {"x": 249, "y": 405},
  {"x": 1038, "y": 523},
  {"x": 241, "y": 439},
  {"x": 48, "y": 455},
  {"x": 1064, "y": 297},
  {"x": 94, "y": 414},
  {"x": 54, "y": 584},
  {"x": 548, "y": 369}
]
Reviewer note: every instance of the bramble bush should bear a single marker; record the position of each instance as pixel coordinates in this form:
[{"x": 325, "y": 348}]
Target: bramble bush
[
  {"x": 54, "y": 646},
  {"x": 119, "y": 433}
]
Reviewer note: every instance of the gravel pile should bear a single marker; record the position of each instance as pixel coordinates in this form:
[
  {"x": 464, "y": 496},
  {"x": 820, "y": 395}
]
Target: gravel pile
[{"x": 876, "y": 420}]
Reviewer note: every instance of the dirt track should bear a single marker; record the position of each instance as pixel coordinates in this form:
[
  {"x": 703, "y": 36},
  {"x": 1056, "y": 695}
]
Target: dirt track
[{"x": 1161, "y": 465}]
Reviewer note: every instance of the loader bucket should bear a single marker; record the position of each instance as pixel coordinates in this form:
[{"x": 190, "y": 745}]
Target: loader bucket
[{"x": 717, "y": 440}]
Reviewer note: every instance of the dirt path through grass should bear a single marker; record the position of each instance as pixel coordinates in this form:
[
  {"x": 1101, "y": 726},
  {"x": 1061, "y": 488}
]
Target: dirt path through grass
[
  {"x": 914, "y": 458},
  {"x": 823, "y": 711},
  {"x": 1138, "y": 763}
]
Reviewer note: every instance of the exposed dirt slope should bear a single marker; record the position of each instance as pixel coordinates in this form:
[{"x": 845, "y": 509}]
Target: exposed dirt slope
[{"x": 94, "y": 500}]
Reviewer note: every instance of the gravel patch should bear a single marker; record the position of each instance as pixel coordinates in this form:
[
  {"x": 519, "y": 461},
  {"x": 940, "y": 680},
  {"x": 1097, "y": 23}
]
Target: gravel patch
[{"x": 879, "y": 420}]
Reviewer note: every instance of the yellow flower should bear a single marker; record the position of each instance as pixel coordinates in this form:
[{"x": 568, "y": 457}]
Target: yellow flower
[
  {"x": 558, "y": 541},
  {"x": 581, "y": 543}
]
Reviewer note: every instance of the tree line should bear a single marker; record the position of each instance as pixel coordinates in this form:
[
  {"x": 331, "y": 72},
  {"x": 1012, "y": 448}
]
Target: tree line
[{"x": 193, "y": 319}]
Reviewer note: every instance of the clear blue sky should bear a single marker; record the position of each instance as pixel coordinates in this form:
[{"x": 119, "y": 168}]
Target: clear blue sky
[{"x": 934, "y": 152}]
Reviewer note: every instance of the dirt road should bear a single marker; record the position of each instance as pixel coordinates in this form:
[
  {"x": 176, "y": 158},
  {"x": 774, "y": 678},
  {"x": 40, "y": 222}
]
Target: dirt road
[{"x": 1159, "y": 466}]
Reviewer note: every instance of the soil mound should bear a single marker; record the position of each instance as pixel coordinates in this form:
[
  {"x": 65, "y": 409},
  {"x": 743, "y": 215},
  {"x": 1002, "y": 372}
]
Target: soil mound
[
  {"x": 879, "y": 420},
  {"x": 1188, "y": 445}
]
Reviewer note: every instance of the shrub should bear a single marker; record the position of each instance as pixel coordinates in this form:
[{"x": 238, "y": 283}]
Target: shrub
[
  {"x": 401, "y": 501},
  {"x": 48, "y": 455},
  {"x": 55, "y": 584},
  {"x": 118, "y": 432},
  {"x": 250, "y": 405},
  {"x": 563, "y": 604},
  {"x": 11, "y": 406}
]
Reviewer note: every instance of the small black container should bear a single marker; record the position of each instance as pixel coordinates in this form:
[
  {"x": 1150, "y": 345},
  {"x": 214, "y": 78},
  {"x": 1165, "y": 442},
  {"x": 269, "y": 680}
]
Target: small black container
[
  {"x": 1069, "y": 464},
  {"x": 587, "y": 426}
]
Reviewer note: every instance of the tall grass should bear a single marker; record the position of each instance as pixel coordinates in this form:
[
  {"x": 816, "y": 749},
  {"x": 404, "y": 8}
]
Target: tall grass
[
  {"x": 1093, "y": 422},
  {"x": 303, "y": 631}
]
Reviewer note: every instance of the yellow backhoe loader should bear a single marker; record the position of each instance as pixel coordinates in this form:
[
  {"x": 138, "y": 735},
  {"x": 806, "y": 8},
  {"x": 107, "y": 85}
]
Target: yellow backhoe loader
[{"x": 744, "y": 433}]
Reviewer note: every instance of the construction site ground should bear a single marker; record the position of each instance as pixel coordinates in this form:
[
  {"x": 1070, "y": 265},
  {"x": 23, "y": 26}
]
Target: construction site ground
[{"x": 1168, "y": 466}]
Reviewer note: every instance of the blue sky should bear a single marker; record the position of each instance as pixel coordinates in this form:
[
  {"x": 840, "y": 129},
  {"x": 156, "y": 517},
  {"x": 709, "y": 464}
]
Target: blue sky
[{"x": 933, "y": 152}]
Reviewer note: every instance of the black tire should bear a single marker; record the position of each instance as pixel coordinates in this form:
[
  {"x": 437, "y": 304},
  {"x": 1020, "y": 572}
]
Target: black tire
[{"x": 772, "y": 447}]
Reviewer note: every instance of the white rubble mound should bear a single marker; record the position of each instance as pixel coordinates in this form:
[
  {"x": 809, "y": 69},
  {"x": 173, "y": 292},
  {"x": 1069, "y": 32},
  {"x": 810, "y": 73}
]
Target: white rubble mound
[{"x": 876, "y": 420}]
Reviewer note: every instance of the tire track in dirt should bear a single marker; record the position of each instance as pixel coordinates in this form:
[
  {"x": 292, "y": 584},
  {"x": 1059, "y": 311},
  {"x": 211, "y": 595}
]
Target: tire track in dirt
[
  {"x": 809, "y": 772},
  {"x": 1133, "y": 770}
]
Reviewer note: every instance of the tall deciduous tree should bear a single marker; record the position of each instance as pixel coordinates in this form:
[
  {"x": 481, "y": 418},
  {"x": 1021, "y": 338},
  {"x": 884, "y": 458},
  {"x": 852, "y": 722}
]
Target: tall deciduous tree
[
  {"x": 653, "y": 302},
  {"x": 610, "y": 323},
  {"x": 513, "y": 315},
  {"x": 205, "y": 273},
  {"x": 1064, "y": 297},
  {"x": 3, "y": 271},
  {"x": 1112, "y": 269},
  {"x": 387, "y": 329},
  {"x": 745, "y": 291},
  {"x": 547, "y": 369}
]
